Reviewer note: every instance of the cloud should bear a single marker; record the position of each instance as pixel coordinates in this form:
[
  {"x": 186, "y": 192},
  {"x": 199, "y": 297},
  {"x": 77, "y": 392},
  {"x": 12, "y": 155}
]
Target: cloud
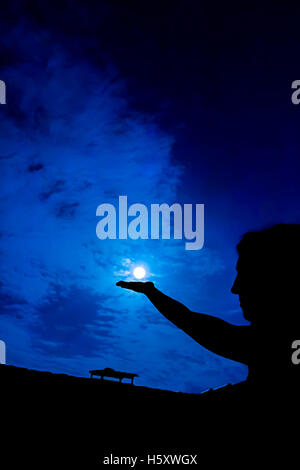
[
  {"x": 69, "y": 324},
  {"x": 72, "y": 140}
]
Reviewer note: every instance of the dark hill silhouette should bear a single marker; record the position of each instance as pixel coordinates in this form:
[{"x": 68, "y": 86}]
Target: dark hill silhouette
[{"x": 76, "y": 421}]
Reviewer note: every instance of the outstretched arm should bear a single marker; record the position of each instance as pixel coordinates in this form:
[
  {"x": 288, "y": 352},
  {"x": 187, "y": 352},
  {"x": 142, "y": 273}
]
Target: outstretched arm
[{"x": 211, "y": 332}]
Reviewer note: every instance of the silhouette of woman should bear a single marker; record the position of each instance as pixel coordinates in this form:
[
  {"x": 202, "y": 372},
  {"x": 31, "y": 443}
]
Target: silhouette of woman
[{"x": 267, "y": 283}]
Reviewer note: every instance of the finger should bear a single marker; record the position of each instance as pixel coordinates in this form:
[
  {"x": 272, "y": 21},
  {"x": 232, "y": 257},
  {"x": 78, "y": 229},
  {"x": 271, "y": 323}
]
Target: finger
[
  {"x": 121, "y": 283},
  {"x": 126, "y": 285}
]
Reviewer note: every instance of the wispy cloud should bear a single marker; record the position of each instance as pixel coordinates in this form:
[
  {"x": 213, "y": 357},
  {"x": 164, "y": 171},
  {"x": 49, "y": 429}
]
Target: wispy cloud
[{"x": 71, "y": 140}]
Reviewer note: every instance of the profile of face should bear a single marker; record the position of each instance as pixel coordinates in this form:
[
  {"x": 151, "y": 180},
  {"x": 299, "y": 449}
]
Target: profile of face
[
  {"x": 257, "y": 290},
  {"x": 244, "y": 287}
]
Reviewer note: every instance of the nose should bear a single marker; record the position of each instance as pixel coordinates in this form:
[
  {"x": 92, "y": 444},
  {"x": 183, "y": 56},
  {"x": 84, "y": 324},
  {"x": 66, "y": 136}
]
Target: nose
[{"x": 234, "y": 288}]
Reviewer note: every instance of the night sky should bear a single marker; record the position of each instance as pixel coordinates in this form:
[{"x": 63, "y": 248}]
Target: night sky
[{"x": 170, "y": 101}]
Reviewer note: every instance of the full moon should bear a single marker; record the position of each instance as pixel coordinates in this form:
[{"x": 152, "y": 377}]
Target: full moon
[{"x": 139, "y": 272}]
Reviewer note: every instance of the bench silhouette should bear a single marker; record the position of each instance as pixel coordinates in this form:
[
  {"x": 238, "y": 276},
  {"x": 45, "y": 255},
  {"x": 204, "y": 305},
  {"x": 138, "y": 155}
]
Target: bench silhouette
[{"x": 108, "y": 372}]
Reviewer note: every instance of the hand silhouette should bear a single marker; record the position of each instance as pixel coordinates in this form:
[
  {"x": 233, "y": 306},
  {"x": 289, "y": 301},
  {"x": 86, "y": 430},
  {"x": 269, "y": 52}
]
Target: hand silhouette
[{"x": 142, "y": 287}]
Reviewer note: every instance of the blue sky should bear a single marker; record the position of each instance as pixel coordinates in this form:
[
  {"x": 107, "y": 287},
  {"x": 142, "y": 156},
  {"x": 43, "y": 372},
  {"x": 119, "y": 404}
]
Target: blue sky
[{"x": 154, "y": 112}]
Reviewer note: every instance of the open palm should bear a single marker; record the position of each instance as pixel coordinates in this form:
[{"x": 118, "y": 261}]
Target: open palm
[{"x": 135, "y": 286}]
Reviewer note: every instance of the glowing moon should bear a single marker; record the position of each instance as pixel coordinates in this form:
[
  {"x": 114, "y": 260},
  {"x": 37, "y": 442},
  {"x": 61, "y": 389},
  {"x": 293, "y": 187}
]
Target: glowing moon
[{"x": 139, "y": 272}]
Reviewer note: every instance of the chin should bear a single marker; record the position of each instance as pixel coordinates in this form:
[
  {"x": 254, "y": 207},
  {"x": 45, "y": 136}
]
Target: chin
[{"x": 246, "y": 313}]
